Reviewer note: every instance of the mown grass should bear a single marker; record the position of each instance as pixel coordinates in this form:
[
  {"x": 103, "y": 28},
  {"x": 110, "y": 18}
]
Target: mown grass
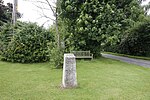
[
  {"x": 101, "y": 79},
  {"x": 130, "y": 56}
]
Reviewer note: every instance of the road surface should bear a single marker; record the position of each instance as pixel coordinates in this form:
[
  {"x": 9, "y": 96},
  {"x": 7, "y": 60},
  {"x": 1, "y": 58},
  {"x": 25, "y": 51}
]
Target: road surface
[{"x": 144, "y": 63}]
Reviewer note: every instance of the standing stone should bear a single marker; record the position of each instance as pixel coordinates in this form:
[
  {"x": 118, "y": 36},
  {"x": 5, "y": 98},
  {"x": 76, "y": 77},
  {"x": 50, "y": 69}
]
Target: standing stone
[{"x": 69, "y": 79}]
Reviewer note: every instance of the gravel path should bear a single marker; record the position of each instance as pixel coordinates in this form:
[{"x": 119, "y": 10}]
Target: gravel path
[{"x": 143, "y": 63}]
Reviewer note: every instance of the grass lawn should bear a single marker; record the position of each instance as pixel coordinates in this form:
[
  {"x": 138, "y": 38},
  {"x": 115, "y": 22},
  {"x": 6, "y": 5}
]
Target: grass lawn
[{"x": 101, "y": 79}]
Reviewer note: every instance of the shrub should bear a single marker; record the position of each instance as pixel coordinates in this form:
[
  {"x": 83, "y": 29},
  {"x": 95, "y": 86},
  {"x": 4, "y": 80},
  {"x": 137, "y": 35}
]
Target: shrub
[
  {"x": 137, "y": 40},
  {"x": 28, "y": 44},
  {"x": 6, "y": 34},
  {"x": 57, "y": 57}
]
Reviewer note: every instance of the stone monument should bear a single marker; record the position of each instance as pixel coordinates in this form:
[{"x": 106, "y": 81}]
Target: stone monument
[{"x": 69, "y": 79}]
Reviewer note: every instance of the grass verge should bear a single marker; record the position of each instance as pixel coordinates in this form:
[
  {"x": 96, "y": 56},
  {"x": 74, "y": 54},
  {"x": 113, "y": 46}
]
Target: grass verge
[{"x": 101, "y": 79}]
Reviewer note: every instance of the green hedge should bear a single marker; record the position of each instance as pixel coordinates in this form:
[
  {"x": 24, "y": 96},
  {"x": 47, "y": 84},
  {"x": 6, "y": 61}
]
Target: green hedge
[
  {"x": 137, "y": 40},
  {"x": 5, "y": 37},
  {"x": 28, "y": 43}
]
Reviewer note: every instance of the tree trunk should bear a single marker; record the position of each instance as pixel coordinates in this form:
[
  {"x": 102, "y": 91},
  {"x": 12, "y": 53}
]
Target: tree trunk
[{"x": 57, "y": 32}]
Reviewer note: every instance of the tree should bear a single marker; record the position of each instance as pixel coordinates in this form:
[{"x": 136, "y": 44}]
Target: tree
[
  {"x": 5, "y": 12},
  {"x": 54, "y": 7},
  {"x": 137, "y": 40},
  {"x": 146, "y": 8},
  {"x": 49, "y": 5},
  {"x": 93, "y": 22}
]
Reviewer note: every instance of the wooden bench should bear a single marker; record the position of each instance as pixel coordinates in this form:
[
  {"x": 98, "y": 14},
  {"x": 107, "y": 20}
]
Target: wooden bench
[{"x": 83, "y": 54}]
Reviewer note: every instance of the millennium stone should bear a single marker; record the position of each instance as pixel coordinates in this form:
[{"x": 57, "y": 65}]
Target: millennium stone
[{"x": 69, "y": 79}]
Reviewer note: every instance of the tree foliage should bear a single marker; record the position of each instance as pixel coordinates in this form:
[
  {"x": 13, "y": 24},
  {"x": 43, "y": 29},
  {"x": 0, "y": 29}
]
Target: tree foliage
[
  {"x": 137, "y": 40},
  {"x": 93, "y": 22},
  {"x": 5, "y": 12}
]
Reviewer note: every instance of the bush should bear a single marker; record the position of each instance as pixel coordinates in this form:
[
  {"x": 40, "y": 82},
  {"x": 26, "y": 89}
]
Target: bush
[
  {"x": 28, "y": 44},
  {"x": 6, "y": 34},
  {"x": 137, "y": 40},
  {"x": 57, "y": 57}
]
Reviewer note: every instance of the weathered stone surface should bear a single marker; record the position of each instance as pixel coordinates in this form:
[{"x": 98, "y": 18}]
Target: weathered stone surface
[{"x": 69, "y": 79}]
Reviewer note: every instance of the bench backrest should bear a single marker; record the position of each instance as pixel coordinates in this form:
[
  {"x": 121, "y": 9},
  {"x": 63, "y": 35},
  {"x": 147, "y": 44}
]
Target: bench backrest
[{"x": 81, "y": 53}]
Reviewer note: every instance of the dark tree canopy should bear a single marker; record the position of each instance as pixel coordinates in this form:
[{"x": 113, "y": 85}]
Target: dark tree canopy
[
  {"x": 5, "y": 12},
  {"x": 137, "y": 40}
]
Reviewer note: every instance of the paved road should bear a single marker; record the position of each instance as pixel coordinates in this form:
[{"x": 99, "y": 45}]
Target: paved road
[{"x": 139, "y": 62}]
